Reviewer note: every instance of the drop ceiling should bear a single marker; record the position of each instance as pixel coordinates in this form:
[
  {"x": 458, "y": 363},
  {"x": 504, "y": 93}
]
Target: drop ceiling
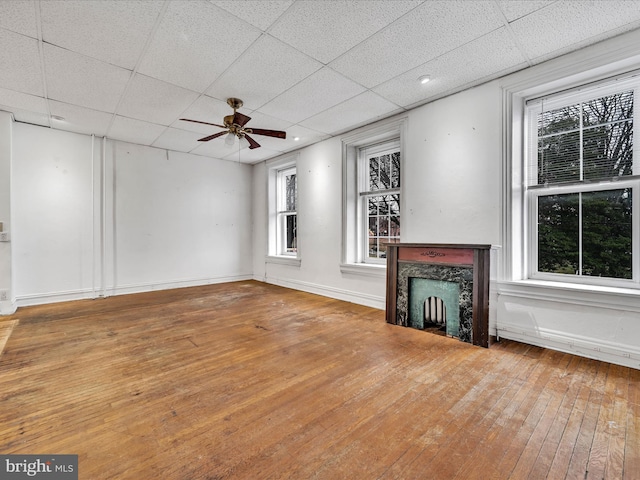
[{"x": 129, "y": 70}]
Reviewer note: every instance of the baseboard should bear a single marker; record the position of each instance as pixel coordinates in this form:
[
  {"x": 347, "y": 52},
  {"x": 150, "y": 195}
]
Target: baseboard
[
  {"x": 365, "y": 299},
  {"x": 626, "y": 355},
  {"x": 83, "y": 294},
  {"x": 150, "y": 287},
  {"x": 8, "y": 308}
]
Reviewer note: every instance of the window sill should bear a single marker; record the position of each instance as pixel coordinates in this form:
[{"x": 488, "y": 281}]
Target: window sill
[
  {"x": 364, "y": 269},
  {"x": 284, "y": 260},
  {"x": 626, "y": 299}
]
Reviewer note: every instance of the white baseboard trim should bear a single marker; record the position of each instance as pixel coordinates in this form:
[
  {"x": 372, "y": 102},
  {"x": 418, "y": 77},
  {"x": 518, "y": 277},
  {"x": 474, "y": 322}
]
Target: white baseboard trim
[
  {"x": 83, "y": 294},
  {"x": 196, "y": 282},
  {"x": 365, "y": 299},
  {"x": 625, "y": 355}
]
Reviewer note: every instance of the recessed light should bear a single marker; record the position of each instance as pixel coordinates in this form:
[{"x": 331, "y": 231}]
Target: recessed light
[
  {"x": 296, "y": 139},
  {"x": 57, "y": 117},
  {"x": 424, "y": 79}
]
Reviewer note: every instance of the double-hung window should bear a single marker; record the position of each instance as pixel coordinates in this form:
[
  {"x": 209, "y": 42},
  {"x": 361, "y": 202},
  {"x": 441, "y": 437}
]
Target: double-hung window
[
  {"x": 287, "y": 221},
  {"x": 372, "y": 160},
  {"x": 282, "y": 192},
  {"x": 582, "y": 185},
  {"x": 379, "y": 192}
]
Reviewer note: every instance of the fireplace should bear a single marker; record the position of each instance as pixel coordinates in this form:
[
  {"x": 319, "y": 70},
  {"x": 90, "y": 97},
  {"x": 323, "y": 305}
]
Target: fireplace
[{"x": 440, "y": 286}]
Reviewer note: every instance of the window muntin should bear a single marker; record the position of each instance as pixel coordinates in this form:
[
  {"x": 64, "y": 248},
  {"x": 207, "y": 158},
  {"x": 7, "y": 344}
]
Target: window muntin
[
  {"x": 582, "y": 188},
  {"x": 287, "y": 200},
  {"x": 379, "y": 196}
]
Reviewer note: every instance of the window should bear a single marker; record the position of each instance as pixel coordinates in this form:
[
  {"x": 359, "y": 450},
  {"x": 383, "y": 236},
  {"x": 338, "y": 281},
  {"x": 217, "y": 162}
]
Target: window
[
  {"x": 582, "y": 186},
  {"x": 379, "y": 175},
  {"x": 287, "y": 233},
  {"x": 372, "y": 159},
  {"x": 283, "y": 246}
]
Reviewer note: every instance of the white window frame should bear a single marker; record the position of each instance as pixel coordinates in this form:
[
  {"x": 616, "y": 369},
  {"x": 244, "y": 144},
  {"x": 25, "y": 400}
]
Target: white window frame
[
  {"x": 282, "y": 213},
  {"x": 552, "y": 102},
  {"x": 364, "y": 153},
  {"x": 353, "y": 229},
  {"x": 276, "y": 253},
  {"x": 615, "y": 57}
]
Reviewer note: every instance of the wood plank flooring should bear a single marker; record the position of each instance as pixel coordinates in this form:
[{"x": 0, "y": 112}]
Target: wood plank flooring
[{"x": 252, "y": 381}]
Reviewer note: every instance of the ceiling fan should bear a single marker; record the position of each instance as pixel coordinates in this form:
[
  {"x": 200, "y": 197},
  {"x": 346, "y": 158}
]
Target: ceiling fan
[{"x": 234, "y": 126}]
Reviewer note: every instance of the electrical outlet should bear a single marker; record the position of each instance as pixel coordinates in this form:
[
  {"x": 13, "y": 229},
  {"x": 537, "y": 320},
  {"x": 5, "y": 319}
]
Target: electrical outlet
[
  {"x": 4, "y": 295},
  {"x": 4, "y": 237}
]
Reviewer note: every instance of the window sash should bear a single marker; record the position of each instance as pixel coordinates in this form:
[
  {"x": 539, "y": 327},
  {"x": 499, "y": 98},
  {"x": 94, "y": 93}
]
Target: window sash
[
  {"x": 385, "y": 232},
  {"x": 533, "y": 198},
  {"x": 286, "y": 201}
]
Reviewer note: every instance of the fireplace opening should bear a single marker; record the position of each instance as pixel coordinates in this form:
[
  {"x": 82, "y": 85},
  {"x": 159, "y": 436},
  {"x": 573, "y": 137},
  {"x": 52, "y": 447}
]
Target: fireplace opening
[{"x": 434, "y": 306}]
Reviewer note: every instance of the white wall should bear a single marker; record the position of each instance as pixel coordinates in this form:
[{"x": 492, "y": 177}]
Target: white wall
[{"x": 134, "y": 219}]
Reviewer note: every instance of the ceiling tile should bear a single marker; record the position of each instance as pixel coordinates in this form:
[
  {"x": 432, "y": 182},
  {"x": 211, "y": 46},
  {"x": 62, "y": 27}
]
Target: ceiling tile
[
  {"x": 155, "y": 101},
  {"x": 485, "y": 57},
  {"x": 316, "y": 93},
  {"x": 178, "y": 140},
  {"x": 79, "y": 119},
  {"x": 260, "y": 13},
  {"x": 114, "y": 32},
  {"x": 514, "y": 9},
  {"x": 195, "y": 42},
  {"x": 326, "y": 33},
  {"x": 205, "y": 109},
  {"x": 365, "y": 108},
  {"x": 280, "y": 67},
  {"x": 83, "y": 81},
  {"x": 20, "y": 63},
  {"x": 19, "y": 16},
  {"x": 565, "y": 26},
  {"x": 10, "y": 99},
  {"x": 134, "y": 131},
  {"x": 430, "y": 30}
]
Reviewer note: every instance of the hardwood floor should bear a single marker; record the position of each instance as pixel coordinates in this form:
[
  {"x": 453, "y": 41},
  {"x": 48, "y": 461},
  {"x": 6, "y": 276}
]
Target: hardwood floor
[{"x": 252, "y": 381}]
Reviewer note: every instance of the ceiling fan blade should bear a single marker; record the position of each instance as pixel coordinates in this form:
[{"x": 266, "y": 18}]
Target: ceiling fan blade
[
  {"x": 211, "y": 137},
  {"x": 252, "y": 143},
  {"x": 204, "y": 123},
  {"x": 269, "y": 133},
  {"x": 240, "y": 119}
]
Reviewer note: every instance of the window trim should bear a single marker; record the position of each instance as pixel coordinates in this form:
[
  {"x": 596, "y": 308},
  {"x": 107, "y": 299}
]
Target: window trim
[
  {"x": 352, "y": 249},
  {"x": 275, "y": 168}
]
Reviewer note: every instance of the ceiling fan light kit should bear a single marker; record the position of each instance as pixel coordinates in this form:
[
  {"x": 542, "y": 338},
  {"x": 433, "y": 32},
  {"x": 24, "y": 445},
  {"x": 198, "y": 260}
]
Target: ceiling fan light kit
[{"x": 234, "y": 126}]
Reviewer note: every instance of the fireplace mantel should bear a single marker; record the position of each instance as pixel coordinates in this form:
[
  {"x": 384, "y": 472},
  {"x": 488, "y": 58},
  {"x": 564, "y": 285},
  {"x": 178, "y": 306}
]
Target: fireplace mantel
[{"x": 466, "y": 264}]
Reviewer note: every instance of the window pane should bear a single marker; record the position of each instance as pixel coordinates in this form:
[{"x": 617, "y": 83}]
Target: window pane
[
  {"x": 383, "y": 227},
  {"x": 373, "y": 226},
  {"x": 394, "y": 226},
  {"x": 374, "y": 174},
  {"x": 291, "y": 233},
  {"x": 558, "y": 233},
  {"x": 291, "y": 192},
  {"x": 385, "y": 171},
  {"x": 373, "y": 206},
  {"x": 606, "y": 235},
  {"x": 559, "y": 158},
  {"x": 394, "y": 205},
  {"x": 395, "y": 170},
  {"x": 608, "y": 150},
  {"x": 613, "y": 108}
]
